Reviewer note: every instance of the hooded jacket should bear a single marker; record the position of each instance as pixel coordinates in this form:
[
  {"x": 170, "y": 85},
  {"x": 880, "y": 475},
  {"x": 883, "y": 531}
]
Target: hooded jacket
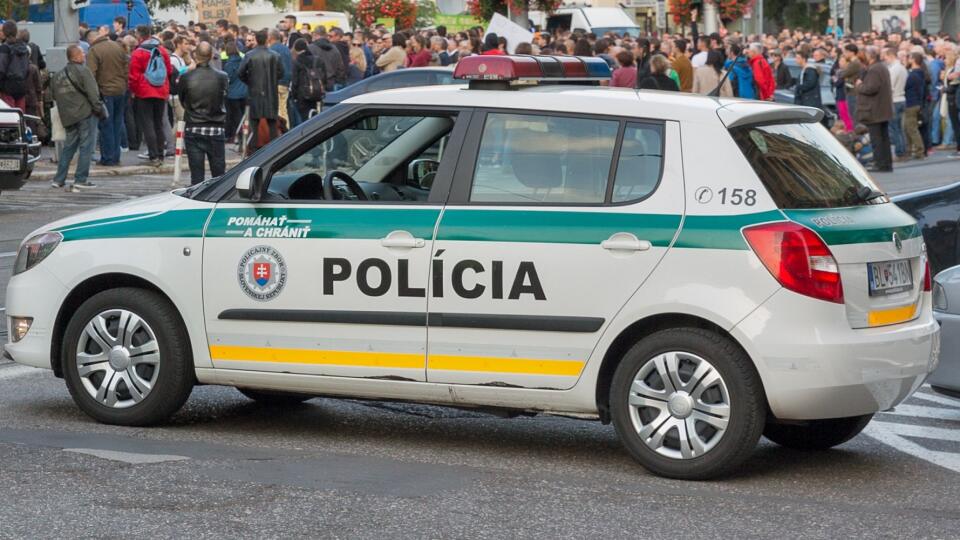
[
  {"x": 742, "y": 77},
  {"x": 332, "y": 62},
  {"x": 763, "y": 76},
  {"x": 137, "y": 80}
]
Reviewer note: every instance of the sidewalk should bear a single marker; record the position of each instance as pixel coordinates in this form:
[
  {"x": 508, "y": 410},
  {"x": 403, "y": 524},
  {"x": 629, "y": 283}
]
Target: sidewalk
[{"x": 130, "y": 164}]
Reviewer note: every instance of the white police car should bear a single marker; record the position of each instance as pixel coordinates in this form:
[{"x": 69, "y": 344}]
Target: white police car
[{"x": 698, "y": 271}]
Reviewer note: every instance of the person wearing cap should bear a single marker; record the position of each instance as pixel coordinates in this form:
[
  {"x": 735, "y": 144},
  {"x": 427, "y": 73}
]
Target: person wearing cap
[{"x": 491, "y": 45}]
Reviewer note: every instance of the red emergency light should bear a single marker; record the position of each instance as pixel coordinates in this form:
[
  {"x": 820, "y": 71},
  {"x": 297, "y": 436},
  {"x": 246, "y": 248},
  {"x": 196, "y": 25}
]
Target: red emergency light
[{"x": 503, "y": 70}]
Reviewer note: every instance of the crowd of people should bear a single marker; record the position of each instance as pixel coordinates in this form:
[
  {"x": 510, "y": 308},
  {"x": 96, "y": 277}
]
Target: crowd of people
[{"x": 895, "y": 96}]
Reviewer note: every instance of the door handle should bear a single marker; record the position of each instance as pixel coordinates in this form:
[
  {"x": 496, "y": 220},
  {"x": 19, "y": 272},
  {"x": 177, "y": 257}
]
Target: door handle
[
  {"x": 402, "y": 239},
  {"x": 625, "y": 242}
]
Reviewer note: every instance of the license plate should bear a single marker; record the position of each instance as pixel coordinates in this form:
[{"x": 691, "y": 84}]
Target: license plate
[
  {"x": 889, "y": 277},
  {"x": 9, "y": 164}
]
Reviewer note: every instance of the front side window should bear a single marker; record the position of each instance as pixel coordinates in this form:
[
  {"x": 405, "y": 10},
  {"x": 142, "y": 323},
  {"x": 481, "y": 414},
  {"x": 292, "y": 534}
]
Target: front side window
[
  {"x": 390, "y": 158},
  {"x": 544, "y": 159},
  {"x": 804, "y": 166}
]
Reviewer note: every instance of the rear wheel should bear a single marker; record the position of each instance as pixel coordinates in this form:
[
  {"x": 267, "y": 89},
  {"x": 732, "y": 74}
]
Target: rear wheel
[
  {"x": 687, "y": 403},
  {"x": 127, "y": 358},
  {"x": 817, "y": 434},
  {"x": 279, "y": 399}
]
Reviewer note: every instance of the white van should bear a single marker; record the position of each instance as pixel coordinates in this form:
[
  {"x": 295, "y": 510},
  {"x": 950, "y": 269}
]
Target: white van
[{"x": 598, "y": 20}]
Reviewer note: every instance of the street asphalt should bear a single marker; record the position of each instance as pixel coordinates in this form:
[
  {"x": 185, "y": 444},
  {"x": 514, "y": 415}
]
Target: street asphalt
[{"x": 227, "y": 467}]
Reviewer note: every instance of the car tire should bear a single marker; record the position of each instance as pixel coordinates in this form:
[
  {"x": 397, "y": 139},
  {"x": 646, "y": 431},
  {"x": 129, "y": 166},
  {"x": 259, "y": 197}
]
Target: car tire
[
  {"x": 817, "y": 434},
  {"x": 277, "y": 399},
  {"x": 729, "y": 382},
  {"x": 156, "y": 360}
]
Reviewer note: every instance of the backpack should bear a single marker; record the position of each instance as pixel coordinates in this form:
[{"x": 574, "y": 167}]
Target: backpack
[
  {"x": 18, "y": 71},
  {"x": 156, "y": 73},
  {"x": 312, "y": 88}
]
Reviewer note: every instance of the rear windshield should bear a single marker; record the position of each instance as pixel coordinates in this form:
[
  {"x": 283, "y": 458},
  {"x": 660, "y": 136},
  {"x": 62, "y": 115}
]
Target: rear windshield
[{"x": 804, "y": 166}]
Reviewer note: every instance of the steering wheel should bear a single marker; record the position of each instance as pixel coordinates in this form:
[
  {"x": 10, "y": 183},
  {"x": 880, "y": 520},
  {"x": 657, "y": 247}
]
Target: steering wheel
[{"x": 352, "y": 185}]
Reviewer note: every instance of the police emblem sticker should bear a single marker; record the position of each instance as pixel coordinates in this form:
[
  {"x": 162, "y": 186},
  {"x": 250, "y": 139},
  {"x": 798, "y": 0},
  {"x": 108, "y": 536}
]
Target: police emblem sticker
[{"x": 262, "y": 273}]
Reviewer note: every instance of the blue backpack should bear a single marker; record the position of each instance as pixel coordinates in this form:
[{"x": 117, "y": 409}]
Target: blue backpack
[{"x": 156, "y": 73}]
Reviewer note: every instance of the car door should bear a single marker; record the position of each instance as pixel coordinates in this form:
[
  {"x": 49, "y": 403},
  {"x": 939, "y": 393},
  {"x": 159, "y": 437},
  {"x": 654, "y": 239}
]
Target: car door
[
  {"x": 554, "y": 221},
  {"x": 302, "y": 283}
]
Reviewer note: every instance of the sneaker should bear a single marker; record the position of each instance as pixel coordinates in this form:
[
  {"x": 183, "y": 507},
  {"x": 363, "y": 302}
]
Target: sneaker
[
  {"x": 56, "y": 185},
  {"x": 144, "y": 155},
  {"x": 156, "y": 162},
  {"x": 84, "y": 185}
]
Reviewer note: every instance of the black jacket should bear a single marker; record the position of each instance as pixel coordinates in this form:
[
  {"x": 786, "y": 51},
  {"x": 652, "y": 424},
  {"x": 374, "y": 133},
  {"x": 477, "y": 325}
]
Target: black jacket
[
  {"x": 807, "y": 91},
  {"x": 658, "y": 81},
  {"x": 260, "y": 71},
  {"x": 332, "y": 62},
  {"x": 784, "y": 79},
  {"x": 301, "y": 66},
  {"x": 203, "y": 92}
]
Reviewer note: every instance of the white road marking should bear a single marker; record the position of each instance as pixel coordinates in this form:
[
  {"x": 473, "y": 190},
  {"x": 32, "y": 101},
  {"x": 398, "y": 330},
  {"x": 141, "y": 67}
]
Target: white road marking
[
  {"x": 896, "y": 434},
  {"x": 126, "y": 457},
  {"x": 893, "y": 435},
  {"x": 13, "y": 372},
  {"x": 937, "y": 398},
  {"x": 8, "y": 254}
]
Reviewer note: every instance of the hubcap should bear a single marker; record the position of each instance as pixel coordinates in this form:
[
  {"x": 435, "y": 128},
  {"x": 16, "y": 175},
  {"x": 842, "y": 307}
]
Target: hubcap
[
  {"x": 118, "y": 358},
  {"x": 679, "y": 405}
]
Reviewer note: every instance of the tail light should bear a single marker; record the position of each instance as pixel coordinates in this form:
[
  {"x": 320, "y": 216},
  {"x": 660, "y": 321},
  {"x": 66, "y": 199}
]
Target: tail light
[
  {"x": 797, "y": 258},
  {"x": 927, "y": 286}
]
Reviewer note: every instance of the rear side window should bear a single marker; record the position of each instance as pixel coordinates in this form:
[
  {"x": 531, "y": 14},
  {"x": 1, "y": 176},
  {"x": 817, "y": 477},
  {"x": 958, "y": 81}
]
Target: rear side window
[
  {"x": 544, "y": 159},
  {"x": 556, "y": 160},
  {"x": 804, "y": 166}
]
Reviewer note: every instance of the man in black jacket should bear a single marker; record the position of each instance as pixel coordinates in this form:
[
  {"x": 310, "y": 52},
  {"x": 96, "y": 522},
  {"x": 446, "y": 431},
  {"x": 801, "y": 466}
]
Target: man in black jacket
[
  {"x": 333, "y": 64},
  {"x": 203, "y": 92},
  {"x": 261, "y": 71},
  {"x": 807, "y": 91}
]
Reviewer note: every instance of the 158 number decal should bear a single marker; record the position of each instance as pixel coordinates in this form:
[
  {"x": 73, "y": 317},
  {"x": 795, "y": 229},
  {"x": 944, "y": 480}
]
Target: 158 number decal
[{"x": 738, "y": 196}]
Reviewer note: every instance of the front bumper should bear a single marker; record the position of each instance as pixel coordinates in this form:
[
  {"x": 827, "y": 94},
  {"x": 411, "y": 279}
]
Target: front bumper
[
  {"x": 25, "y": 155},
  {"x": 947, "y": 374},
  {"x": 814, "y": 366},
  {"x": 35, "y": 293}
]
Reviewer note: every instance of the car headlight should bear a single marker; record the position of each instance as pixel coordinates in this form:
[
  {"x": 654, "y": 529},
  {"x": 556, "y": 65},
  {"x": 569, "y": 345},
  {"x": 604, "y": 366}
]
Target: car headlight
[
  {"x": 35, "y": 250},
  {"x": 939, "y": 297}
]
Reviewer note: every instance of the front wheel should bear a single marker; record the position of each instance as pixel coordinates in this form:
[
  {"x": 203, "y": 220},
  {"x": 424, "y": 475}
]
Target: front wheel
[
  {"x": 687, "y": 403},
  {"x": 817, "y": 434},
  {"x": 127, "y": 358}
]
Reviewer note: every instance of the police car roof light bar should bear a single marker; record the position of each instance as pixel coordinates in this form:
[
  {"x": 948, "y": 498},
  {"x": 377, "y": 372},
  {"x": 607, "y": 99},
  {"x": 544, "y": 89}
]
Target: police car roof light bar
[{"x": 497, "y": 72}]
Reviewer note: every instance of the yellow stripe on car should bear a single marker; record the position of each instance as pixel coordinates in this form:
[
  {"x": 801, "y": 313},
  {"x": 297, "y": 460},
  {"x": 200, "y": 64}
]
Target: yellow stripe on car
[
  {"x": 529, "y": 366},
  {"x": 891, "y": 316}
]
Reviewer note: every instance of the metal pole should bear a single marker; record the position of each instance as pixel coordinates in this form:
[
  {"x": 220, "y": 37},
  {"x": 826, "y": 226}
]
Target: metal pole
[{"x": 178, "y": 153}]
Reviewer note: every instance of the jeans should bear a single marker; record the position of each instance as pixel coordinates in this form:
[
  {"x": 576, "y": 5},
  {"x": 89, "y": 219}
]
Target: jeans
[
  {"x": 234, "y": 116},
  {"x": 200, "y": 147},
  {"x": 294, "y": 112},
  {"x": 150, "y": 120},
  {"x": 110, "y": 129},
  {"x": 80, "y": 137},
  {"x": 938, "y": 134},
  {"x": 880, "y": 141},
  {"x": 896, "y": 128}
]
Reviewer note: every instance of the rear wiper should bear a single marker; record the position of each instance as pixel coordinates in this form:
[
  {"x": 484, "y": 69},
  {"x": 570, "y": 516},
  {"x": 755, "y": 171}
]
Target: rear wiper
[{"x": 867, "y": 194}]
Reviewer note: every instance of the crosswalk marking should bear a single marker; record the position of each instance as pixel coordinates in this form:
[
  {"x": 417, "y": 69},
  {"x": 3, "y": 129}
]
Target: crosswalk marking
[{"x": 900, "y": 435}]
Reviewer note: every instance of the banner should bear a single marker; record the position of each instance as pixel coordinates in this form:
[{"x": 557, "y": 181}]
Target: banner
[
  {"x": 456, "y": 23},
  {"x": 210, "y": 11},
  {"x": 513, "y": 32}
]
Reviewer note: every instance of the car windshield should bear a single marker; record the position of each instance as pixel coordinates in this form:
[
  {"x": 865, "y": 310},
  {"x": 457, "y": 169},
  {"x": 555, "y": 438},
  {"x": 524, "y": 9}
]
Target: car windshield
[
  {"x": 804, "y": 166},
  {"x": 621, "y": 31}
]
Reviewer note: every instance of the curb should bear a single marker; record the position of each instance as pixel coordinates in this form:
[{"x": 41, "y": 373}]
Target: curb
[{"x": 97, "y": 171}]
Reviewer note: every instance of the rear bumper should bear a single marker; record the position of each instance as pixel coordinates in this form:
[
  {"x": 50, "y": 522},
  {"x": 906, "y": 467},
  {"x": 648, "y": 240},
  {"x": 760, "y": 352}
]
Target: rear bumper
[
  {"x": 947, "y": 374},
  {"x": 814, "y": 366}
]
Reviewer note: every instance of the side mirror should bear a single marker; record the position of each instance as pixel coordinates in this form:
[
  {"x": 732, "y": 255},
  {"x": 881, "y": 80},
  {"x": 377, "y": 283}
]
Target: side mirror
[
  {"x": 250, "y": 183},
  {"x": 422, "y": 172}
]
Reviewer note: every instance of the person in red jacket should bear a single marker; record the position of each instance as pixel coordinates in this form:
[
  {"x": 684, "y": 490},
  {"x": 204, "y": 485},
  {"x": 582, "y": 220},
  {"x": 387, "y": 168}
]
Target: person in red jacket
[
  {"x": 149, "y": 99},
  {"x": 762, "y": 72},
  {"x": 419, "y": 54}
]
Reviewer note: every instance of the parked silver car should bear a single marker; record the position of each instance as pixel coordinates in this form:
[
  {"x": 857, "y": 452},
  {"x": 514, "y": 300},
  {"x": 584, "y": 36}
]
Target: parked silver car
[{"x": 946, "y": 308}]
